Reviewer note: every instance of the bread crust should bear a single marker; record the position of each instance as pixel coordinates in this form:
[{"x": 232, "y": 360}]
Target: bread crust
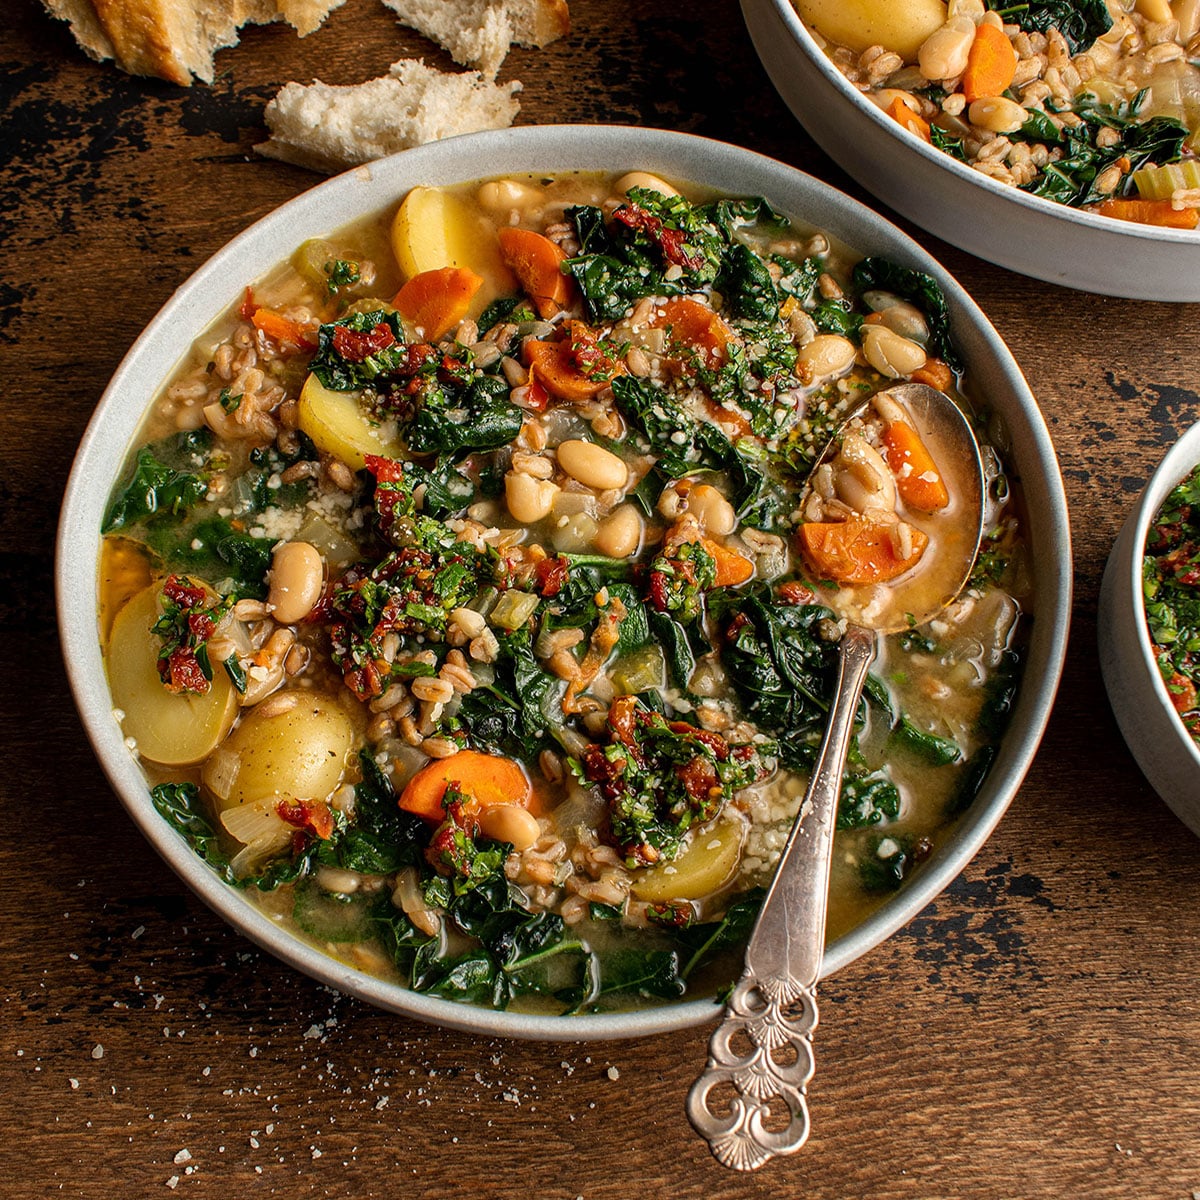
[
  {"x": 176, "y": 39},
  {"x": 478, "y": 33}
]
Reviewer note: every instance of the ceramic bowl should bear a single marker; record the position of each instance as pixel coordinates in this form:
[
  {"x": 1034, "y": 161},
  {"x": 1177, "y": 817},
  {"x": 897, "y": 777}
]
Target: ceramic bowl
[
  {"x": 1167, "y": 755},
  {"x": 996, "y": 222},
  {"x": 549, "y": 148}
]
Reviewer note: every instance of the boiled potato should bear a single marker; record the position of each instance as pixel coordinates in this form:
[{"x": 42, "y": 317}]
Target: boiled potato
[
  {"x": 124, "y": 571},
  {"x": 339, "y": 425},
  {"x": 899, "y": 25},
  {"x": 295, "y": 751},
  {"x": 706, "y": 866},
  {"x": 168, "y": 728},
  {"x": 435, "y": 229}
]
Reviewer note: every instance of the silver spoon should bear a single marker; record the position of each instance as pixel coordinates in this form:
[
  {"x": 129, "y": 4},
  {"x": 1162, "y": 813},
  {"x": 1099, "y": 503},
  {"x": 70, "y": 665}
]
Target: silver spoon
[{"x": 761, "y": 1053}]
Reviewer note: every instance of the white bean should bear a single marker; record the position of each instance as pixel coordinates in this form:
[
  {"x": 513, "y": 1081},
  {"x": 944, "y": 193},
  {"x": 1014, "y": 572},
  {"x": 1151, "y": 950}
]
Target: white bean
[
  {"x": 997, "y": 114},
  {"x": 862, "y": 478},
  {"x": 297, "y": 577},
  {"x": 510, "y": 823},
  {"x": 943, "y": 54},
  {"x": 828, "y": 354},
  {"x": 711, "y": 509},
  {"x": 620, "y": 533},
  {"x": 503, "y": 195},
  {"x": 592, "y": 465},
  {"x": 528, "y": 499},
  {"x": 889, "y": 353},
  {"x": 643, "y": 179}
]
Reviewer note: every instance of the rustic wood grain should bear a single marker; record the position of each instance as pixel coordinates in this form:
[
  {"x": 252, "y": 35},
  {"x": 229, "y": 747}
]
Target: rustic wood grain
[{"x": 1033, "y": 1033}]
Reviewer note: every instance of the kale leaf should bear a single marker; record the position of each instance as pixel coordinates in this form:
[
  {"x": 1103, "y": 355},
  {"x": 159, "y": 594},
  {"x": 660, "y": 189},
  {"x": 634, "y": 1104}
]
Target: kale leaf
[
  {"x": 480, "y": 418},
  {"x": 179, "y": 804},
  {"x": 780, "y": 667},
  {"x": 161, "y": 484},
  {"x": 1080, "y": 22}
]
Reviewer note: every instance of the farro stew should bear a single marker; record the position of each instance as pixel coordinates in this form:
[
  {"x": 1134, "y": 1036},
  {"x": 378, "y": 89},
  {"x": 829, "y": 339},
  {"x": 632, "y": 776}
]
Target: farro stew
[
  {"x": 1171, "y": 589},
  {"x": 1090, "y": 103},
  {"x": 459, "y": 605}
]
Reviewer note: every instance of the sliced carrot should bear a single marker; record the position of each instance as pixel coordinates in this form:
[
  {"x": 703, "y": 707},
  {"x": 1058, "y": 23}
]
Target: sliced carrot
[
  {"x": 918, "y": 479},
  {"x": 487, "y": 779},
  {"x": 577, "y": 367},
  {"x": 991, "y": 64},
  {"x": 283, "y": 329},
  {"x": 1149, "y": 212},
  {"x": 436, "y": 301},
  {"x": 857, "y": 550},
  {"x": 732, "y": 568},
  {"x": 935, "y": 373},
  {"x": 696, "y": 325},
  {"x": 536, "y": 262},
  {"x": 907, "y": 119}
]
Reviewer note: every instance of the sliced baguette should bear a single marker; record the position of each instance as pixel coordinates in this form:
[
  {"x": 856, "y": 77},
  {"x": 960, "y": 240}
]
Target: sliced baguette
[
  {"x": 176, "y": 39},
  {"x": 329, "y": 128},
  {"x": 478, "y": 33}
]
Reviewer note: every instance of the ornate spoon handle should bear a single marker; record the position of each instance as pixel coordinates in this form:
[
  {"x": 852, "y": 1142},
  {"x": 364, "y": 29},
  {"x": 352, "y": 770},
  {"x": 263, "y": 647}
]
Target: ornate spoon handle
[{"x": 772, "y": 1011}]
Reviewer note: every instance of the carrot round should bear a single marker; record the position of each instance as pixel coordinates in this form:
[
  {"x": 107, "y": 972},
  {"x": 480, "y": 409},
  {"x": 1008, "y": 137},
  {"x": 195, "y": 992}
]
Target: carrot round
[
  {"x": 857, "y": 550},
  {"x": 557, "y": 365},
  {"x": 487, "y": 779},
  {"x": 283, "y": 329},
  {"x": 907, "y": 119},
  {"x": 696, "y": 325},
  {"x": 436, "y": 301},
  {"x": 918, "y": 479},
  {"x": 935, "y": 373},
  {"x": 732, "y": 568},
  {"x": 1149, "y": 212},
  {"x": 536, "y": 262},
  {"x": 991, "y": 64}
]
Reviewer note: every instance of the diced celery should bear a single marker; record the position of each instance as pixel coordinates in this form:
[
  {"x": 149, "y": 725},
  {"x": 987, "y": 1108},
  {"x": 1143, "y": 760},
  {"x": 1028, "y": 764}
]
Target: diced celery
[
  {"x": 1157, "y": 183},
  {"x": 513, "y": 609},
  {"x": 639, "y": 670}
]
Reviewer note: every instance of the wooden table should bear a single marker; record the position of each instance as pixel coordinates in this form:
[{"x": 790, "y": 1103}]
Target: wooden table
[{"x": 1035, "y": 1032}]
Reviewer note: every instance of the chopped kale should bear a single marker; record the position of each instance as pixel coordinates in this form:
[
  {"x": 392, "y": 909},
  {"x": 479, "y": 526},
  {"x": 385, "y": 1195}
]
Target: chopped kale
[
  {"x": 167, "y": 481},
  {"x": 479, "y": 417},
  {"x": 660, "y": 777},
  {"x": 1080, "y": 22}
]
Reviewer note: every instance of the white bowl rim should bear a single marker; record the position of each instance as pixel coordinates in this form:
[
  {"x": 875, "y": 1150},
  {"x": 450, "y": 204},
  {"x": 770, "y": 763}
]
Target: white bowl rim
[
  {"x": 1176, "y": 465},
  {"x": 570, "y": 147},
  {"x": 1038, "y": 204}
]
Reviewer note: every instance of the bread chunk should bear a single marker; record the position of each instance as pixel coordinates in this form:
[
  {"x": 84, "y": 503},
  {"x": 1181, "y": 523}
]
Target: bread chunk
[
  {"x": 176, "y": 39},
  {"x": 478, "y": 33},
  {"x": 329, "y": 128}
]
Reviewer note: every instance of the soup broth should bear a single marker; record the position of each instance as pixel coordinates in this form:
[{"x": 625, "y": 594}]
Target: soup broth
[{"x": 457, "y": 603}]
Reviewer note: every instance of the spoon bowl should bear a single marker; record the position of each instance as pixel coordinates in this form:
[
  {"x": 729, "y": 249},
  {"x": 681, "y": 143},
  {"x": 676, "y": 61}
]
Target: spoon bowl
[{"x": 762, "y": 1048}]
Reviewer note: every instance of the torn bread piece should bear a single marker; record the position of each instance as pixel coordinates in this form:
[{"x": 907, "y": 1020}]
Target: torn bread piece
[
  {"x": 478, "y": 33},
  {"x": 176, "y": 39},
  {"x": 329, "y": 129}
]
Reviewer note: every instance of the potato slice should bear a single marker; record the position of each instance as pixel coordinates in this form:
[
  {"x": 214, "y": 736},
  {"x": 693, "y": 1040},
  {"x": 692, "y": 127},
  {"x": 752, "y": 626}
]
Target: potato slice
[
  {"x": 435, "y": 229},
  {"x": 708, "y": 864},
  {"x": 294, "y": 751},
  {"x": 339, "y": 424},
  {"x": 899, "y": 25},
  {"x": 170, "y": 729}
]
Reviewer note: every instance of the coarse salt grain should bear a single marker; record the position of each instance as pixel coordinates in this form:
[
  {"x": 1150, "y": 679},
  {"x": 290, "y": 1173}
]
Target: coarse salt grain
[
  {"x": 97, "y": 1051},
  {"x": 184, "y": 1155},
  {"x": 613, "y": 1073}
]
